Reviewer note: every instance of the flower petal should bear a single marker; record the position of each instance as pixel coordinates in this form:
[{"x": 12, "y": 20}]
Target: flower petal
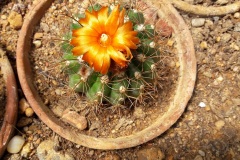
[
  {"x": 121, "y": 17},
  {"x": 83, "y": 40},
  {"x": 84, "y": 31},
  {"x": 121, "y": 40},
  {"x": 117, "y": 56},
  {"x": 113, "y": 21},
  {"x": 90, "y": 20},
  {"x": 135, "y": 40},
  {"x": 91, "y": 54},
  {"x": 106, "y": 64},
  {"x": 99, "y": 59},
  {"x": 102, "y": 17},
  {"x": 126, "y": 27},
  {"x": 126, "y": 52},
  {"x": 79, "y": 50}
]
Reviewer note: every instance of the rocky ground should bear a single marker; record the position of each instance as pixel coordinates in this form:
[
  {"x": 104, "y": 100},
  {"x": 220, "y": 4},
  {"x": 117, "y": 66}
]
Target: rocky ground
[{"x": 209, "y": 127}]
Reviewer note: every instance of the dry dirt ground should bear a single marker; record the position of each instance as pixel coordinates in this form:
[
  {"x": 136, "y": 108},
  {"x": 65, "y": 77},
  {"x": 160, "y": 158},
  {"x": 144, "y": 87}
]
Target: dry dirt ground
[{"x": 208, "y": 129}]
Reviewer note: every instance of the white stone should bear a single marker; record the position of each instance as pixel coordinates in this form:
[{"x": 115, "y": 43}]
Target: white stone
[
  {"x": 37, "y": 43},
  {"x": 15, "y": 144},
  {"x": 45, "y": 151},
  {"x": 236, "y": 15},
  {"x": 202, "y": 104},
  {"x": 198, "y": 22},
  {"x": 220, "y": 79}
]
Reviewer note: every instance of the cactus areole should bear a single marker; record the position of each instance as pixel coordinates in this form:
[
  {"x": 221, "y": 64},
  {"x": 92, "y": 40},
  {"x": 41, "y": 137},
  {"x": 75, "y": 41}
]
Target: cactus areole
[{"x": 111, "y": 56}]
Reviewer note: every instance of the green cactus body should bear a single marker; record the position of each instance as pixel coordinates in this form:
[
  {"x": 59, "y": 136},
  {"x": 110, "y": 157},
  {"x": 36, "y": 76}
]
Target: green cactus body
[
  {"x": 116, "y": 88},
  {"x": 136, "y": 17},
  {"x": 135, "y": 80},
  {"x": 71, "y": 66},
  {"x": 96, "y": 7},
  {"x": 100, "y": 90},
  {"x": 149, "y": 48},
  {"x": 146, "y": 31},
  {"x": 80, "y": 83},
  {"x": 148, "y": 68}
]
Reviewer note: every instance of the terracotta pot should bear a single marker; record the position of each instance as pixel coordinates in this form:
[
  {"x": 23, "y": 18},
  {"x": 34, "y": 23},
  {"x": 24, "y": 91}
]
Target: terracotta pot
[
  {"x": 183, "y": 92},
  {"x": 11, "y": 107}
]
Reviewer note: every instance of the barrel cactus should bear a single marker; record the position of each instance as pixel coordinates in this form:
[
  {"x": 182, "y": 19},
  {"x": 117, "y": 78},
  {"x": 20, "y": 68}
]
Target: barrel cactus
[{"x": 111, "y": 56}]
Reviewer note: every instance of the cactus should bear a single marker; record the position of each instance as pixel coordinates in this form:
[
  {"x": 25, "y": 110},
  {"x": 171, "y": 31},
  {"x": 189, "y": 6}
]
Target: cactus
[{"x": 121, "y": 84}]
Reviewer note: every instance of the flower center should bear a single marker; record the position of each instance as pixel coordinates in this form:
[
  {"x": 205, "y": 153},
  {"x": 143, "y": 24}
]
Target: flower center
[{"x": 105, "y": 40}]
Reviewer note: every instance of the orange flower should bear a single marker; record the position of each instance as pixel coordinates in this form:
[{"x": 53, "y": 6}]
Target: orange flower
[{"x": 104, "y": 38}]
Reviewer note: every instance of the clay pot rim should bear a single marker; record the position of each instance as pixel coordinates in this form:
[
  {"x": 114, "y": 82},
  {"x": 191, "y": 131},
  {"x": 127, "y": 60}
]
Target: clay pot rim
[
  {"x": 11, "y": 107},
  {"x": 183, "y": 93}
]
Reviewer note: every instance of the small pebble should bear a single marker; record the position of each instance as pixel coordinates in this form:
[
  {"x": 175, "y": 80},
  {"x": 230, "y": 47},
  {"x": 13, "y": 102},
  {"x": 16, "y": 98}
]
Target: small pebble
[
  {"x": 207, "y": 108},
  {"x": 45, "y": 151},
  {"x": 208, "y": 23},
  {"x": 208, "y": 74},
  {"x": 24, "y": 121},
  {"x": 170, "y": 43},
  {"x": 58, "y": 92},
  {"x": 45, "y": 27},
  {"x": 26, "y": 149},
  {"x": 177, "y": 64},
  {"x": 37, "y": 43},
  {"x": 111, "y": 157},
  {"x": 71, "y": 1},
  {"x": 38, "y": 35},
  {"x": 150, "y": 153},
  {"x": 220, "y": 79},
  {"x": 3, "y": 17},
  {"x": 29, "y": 112},
  {"x": 15, "y": 144},
  {"x": 226, "y": 37},
  {"x": 216, "y": 18},
  {"x": 139, "y": 113},
  {"x": 204, "y": 45},
  {"x": 222, "y": 2},
  {"x": 219, "y": 124},
  {"x": 198, "y": 22},
  {"x": 218, "y": 39},
  {"x": 201, "y": 153},
  {"x": 235, "y": 69},
  {"x": 235, "y": 47},
  {"x": 236, "y": 15},
  {"x": 23, "y": 105},
  {"x": 91, "y": 153},
  {"x": 15, "y": 19},
  {"x": 74, "y": 119},
  {"x": 202, "y": 104},
  {"x": 237, "y": 27},
  {"x": 198, "y": 157}
]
